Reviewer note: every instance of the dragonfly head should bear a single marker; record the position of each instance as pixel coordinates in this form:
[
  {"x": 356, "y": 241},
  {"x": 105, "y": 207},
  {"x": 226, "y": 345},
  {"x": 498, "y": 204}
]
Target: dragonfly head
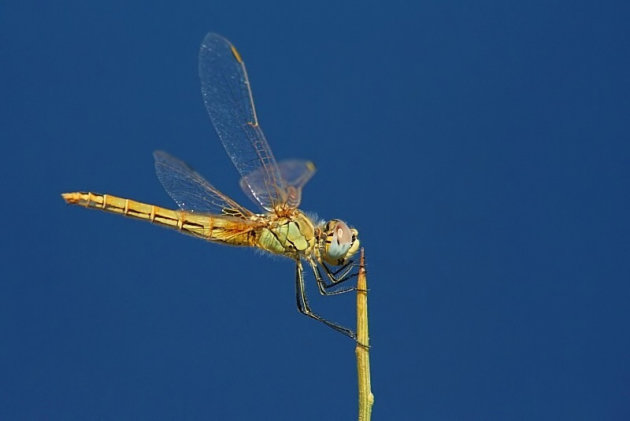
[{"x": 340, "y": 242}]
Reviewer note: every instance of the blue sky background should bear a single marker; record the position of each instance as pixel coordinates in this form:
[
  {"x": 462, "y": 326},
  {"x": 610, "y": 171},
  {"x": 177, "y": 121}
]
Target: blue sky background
[{"x": 482, "y": 150}]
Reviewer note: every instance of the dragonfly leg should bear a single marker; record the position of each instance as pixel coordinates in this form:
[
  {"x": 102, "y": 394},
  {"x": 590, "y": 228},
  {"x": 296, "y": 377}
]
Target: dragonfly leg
[
  {"x": 321, "y": 283},
  {"x": 304, "y": 308},
  {"x": 349, "y": 263},
  {"x": 336, "y": 278}
]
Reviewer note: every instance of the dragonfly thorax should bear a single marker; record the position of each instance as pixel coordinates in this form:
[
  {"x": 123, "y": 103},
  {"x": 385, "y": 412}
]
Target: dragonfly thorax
[
  {"x": 338, "y": 242},
  {"x": 291, "y": 234}
]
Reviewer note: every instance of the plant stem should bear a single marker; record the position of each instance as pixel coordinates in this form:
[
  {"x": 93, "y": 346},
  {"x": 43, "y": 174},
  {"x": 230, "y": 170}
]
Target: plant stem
[{"x": 366, "y": 398}]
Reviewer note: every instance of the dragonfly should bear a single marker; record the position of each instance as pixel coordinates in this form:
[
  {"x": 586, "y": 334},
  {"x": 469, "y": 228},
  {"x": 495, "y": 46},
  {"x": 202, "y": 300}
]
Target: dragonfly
[{"x": 279, "y": 228}]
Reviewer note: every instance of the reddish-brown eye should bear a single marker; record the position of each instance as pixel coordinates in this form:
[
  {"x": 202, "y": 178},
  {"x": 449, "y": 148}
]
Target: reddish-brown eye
[{"x": 341, "y": 240}]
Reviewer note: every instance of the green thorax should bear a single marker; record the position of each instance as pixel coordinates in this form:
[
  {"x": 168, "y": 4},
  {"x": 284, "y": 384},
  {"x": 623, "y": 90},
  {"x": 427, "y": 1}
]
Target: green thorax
[{"x": 292, "y": 235}]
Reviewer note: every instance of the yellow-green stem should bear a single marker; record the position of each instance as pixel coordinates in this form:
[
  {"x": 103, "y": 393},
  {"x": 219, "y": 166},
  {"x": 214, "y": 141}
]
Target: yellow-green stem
[{"x": 366, "y": 398}]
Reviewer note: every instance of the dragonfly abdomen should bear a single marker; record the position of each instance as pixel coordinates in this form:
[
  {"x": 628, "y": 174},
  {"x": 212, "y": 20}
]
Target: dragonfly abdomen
[{"x": 227, "y": 230}]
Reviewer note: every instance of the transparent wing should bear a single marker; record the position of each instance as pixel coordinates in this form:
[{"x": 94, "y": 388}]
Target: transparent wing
[
  {"x": 190, "y": 190},
  {"x": 295, "y": 174},
  {"x": 228, "y": 98}
]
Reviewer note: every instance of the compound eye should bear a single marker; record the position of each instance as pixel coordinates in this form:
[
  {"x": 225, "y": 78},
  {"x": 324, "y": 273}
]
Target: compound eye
[
  {"x": 342, "y": 239},
  {"x": 343, "y": 233}
]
